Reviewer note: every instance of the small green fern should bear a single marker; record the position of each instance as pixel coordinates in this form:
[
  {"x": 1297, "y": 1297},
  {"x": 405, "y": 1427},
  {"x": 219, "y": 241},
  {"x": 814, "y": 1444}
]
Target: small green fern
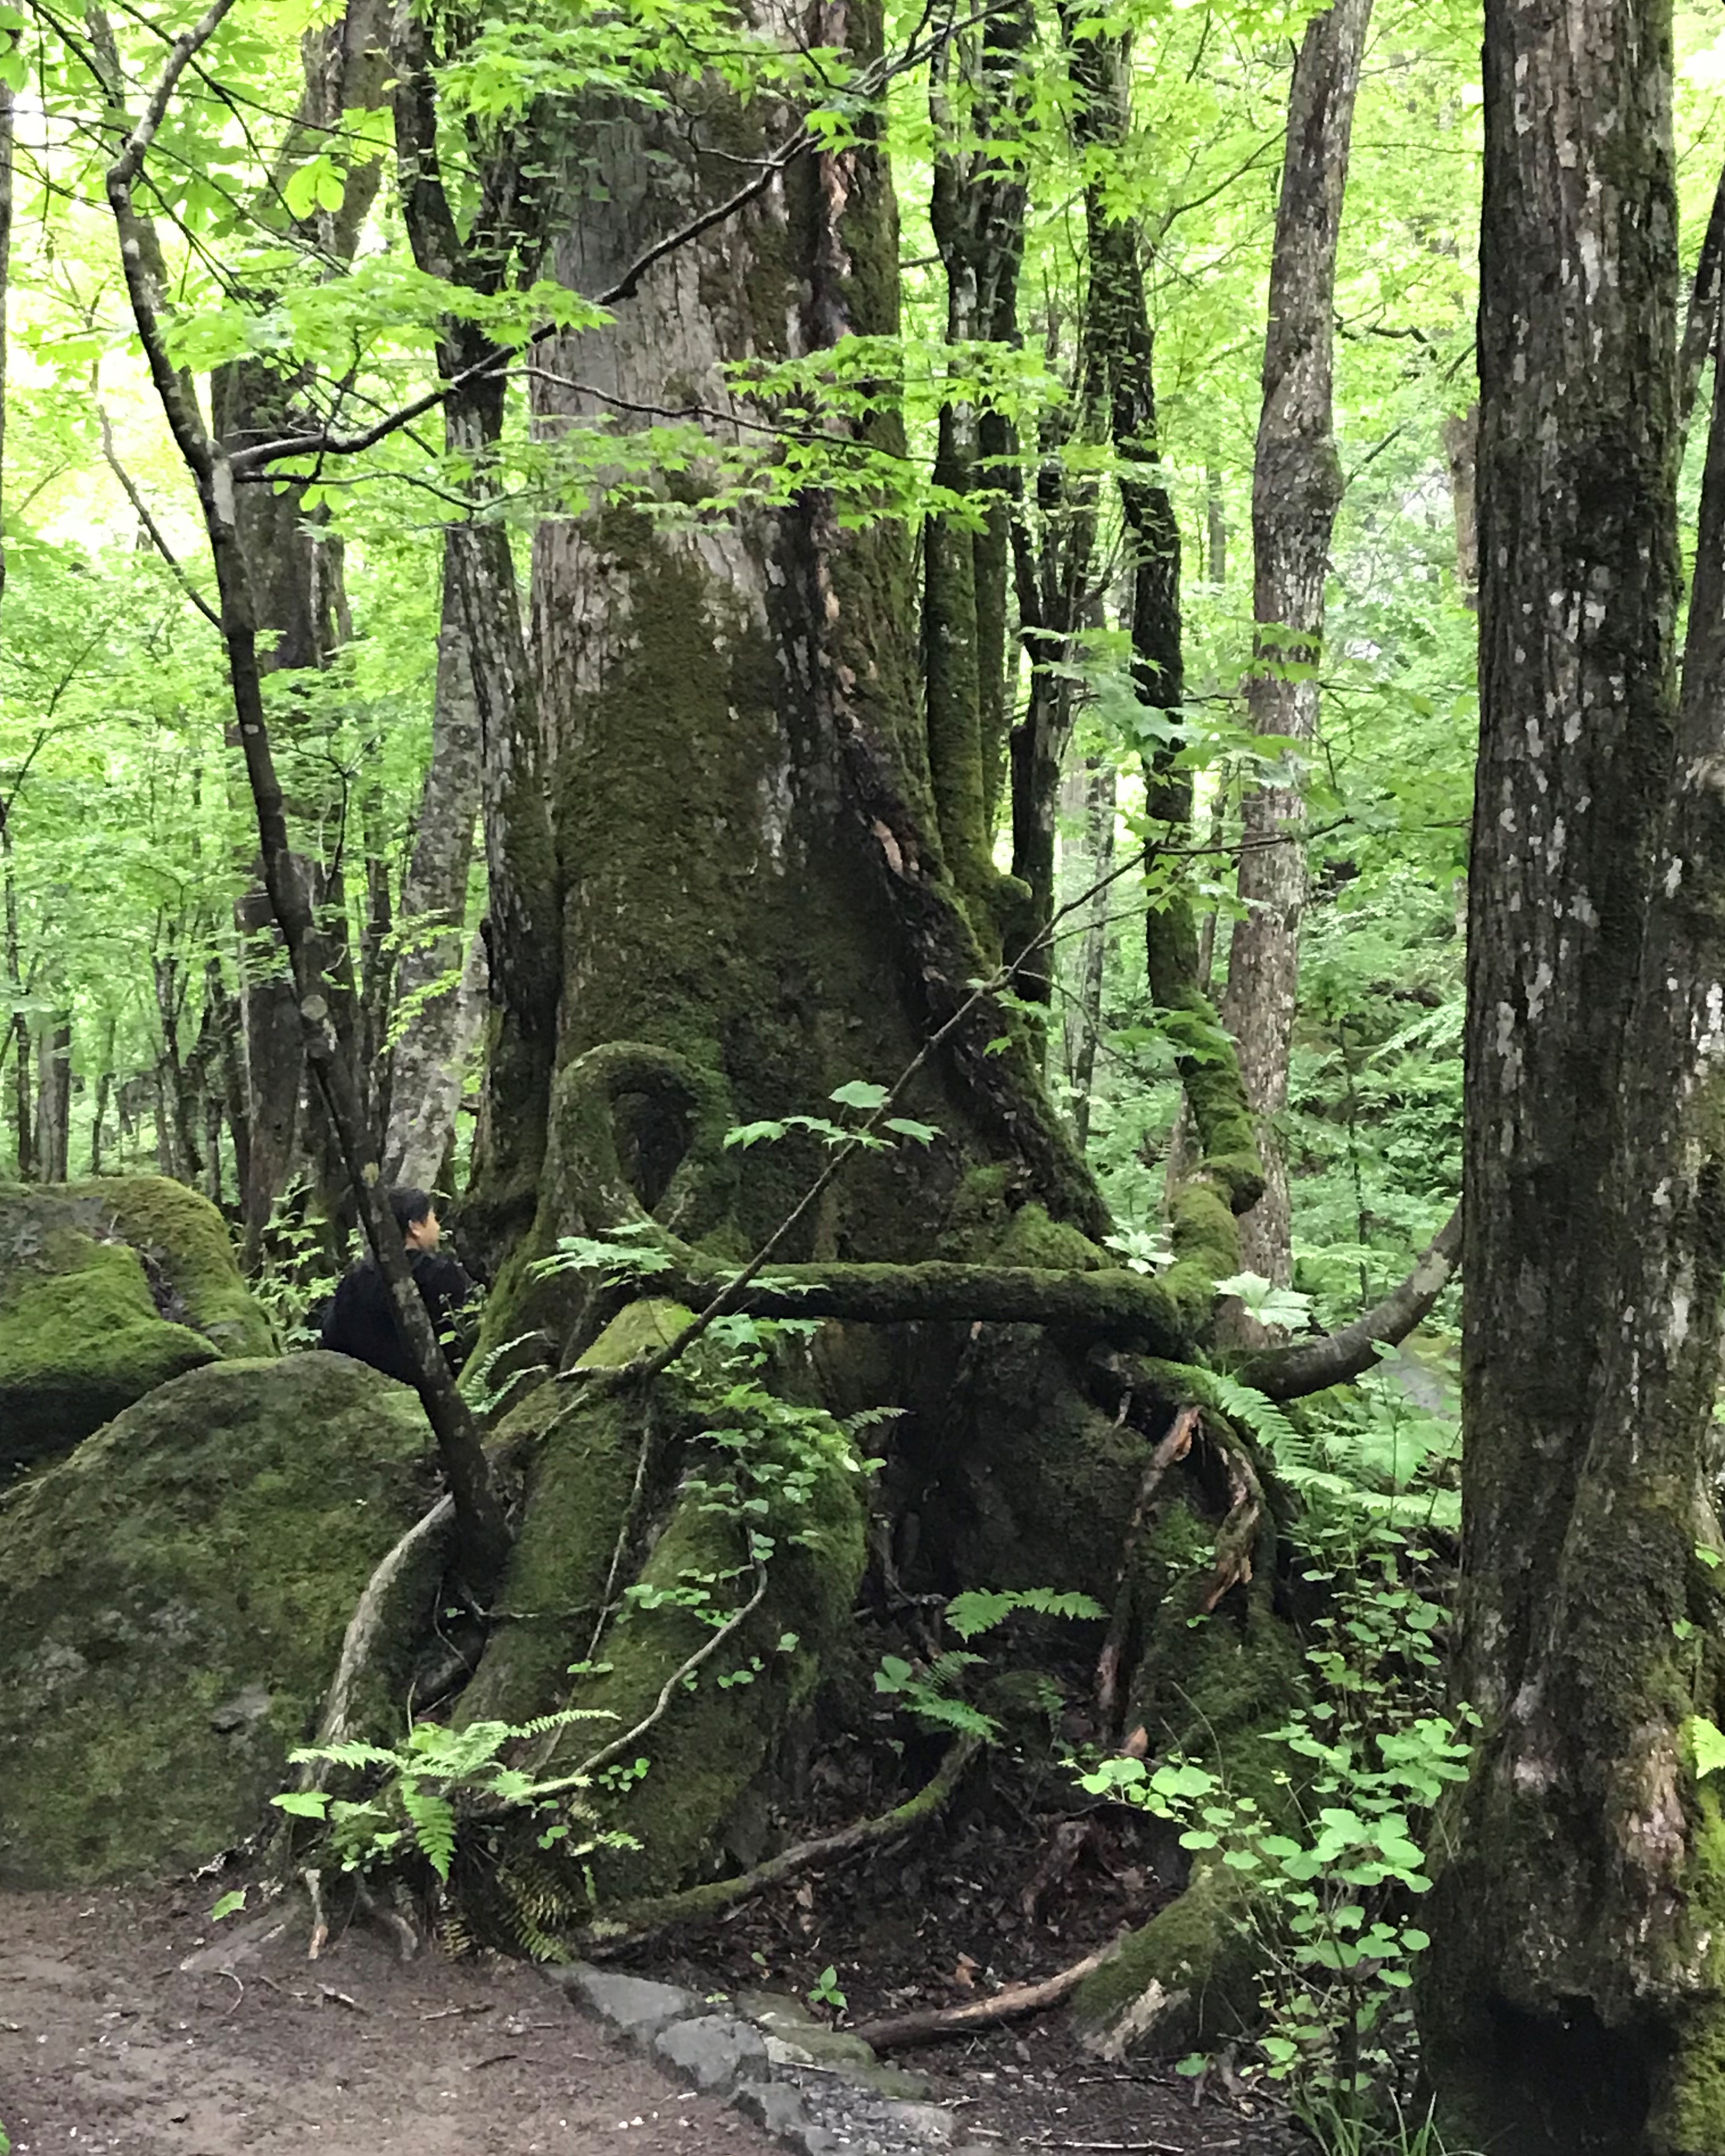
[{"x": 429, "y": 1781}]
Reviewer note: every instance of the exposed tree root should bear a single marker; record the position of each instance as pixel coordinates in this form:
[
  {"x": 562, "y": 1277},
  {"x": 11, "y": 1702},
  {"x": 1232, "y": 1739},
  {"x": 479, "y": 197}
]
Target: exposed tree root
[
  {"x": 376, "y": 1626},
  {"x": 1132, "y": 1308},
  {"x": 1238, "y": 1538},
  {"x": 1014, "y": 2004},
  {"x": 1175, "y": 1446},
  {"x": 648, "y": 1920}
]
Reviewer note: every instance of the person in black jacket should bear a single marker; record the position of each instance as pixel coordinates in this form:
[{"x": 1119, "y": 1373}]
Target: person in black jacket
[{"x": 360, "y": 1321}]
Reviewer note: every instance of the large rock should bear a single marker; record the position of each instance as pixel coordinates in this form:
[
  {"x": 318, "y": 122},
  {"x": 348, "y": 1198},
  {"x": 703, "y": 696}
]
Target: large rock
[
  {"x": 172, "y": 1600},
  {"x": 109, "y": 1288}
]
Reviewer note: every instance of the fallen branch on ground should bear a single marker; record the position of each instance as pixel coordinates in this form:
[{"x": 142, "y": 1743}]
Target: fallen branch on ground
[
  {"x": 936, "y": 2024},
  {"x": 716, "y": 1899}
]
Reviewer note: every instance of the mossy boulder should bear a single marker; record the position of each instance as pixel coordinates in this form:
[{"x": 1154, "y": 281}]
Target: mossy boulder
[
  {"x": 172, "y": 1601},
  {"x": 109, "y": 1288}
]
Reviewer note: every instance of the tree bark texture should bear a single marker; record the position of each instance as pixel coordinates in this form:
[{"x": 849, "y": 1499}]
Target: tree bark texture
[
  {"x": 1576, "y": 1998},
  {"x": 54, "y": 1100},
  {"x": 1083, "y": 1016},
  {"x": 977, "y": 214},
  {"x": 1296, "y": 487},
  {"x": 432, "y": 1000},
  {"x": 483, "y": 1533},
  {"x": 486, "y": 680}
]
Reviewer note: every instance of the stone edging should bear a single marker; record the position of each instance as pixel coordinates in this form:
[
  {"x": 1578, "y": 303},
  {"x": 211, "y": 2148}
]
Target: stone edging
[{"x": 817, "y": 2088}]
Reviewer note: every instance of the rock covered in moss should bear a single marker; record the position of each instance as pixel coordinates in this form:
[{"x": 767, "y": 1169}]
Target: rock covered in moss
[
  {"x": 109, "y": 1288},
  {"x": 172, "y": 1601}
]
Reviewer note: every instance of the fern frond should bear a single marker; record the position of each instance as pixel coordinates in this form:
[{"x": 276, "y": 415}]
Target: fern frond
[{"x": 433, "y": 1819}]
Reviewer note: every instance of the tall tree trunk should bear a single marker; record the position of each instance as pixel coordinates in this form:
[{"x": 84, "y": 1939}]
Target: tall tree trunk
[
  {"x": 1576, "y": 1999},
  {"x": 431, "y": 1000},
  {"x": 482, "y": 1530},
  {"x": 54, "y": 1100},
  {"x": 297, "y": 578},
  {"x": 977, "y": 214},
  {"x": 1084, "y": 1017},
  {"x": 1461, "y": 433},
  {"x": 1296, "y": 487},
  {"x": 484, "y": 660}
]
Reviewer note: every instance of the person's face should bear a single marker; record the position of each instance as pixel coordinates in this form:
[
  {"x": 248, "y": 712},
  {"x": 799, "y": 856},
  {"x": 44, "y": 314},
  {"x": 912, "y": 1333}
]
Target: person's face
[{"x": 425, "y": 1235}]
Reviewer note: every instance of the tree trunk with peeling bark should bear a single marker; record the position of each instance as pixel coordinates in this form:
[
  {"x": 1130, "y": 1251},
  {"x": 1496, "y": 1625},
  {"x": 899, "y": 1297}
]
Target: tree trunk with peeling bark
[
  {"x": 1296, "y": 488},
  {"x": 432, "y": 1001},
  {"x": 487, "y": 685},
  {"x": 1576, "y": 1999}
]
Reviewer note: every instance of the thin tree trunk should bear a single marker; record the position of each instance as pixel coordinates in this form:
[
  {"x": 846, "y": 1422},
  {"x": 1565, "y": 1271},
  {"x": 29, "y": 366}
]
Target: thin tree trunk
[
  {"x": 1120, "y": 385},
  {"x": 1701, "y": 320},
  {"x": 428, "y": 1091},
  {"x": 297, "y": 578},
  {"x": 1573, "y": 2001},
  {"x": 1085, "y": 1021},
  {"x": 482, "y": 1531},
  {"x": 978, "y": 214},
  {"x": 1461, "y": 433},
  {"x": 1215, "y": 528},
  {"x": 54, "y": 1100},
  {"x": 1296, "y": 487}
]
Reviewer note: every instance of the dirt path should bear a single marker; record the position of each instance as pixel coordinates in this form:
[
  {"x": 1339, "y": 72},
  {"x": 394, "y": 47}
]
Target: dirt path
[{"x": 108, "y": 2045}]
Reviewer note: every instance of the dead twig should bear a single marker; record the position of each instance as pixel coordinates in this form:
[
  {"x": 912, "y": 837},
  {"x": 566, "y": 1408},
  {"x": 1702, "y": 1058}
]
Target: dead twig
[{"x": 1014, "y": 2004}]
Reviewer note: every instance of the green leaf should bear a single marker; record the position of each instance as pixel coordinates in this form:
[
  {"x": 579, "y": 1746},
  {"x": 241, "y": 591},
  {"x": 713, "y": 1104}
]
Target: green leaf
[
  {"x": 1705, "y": 1741},
  {"x": 229, "y": 1905},
  {"x": 303, "y": 1804},
  {"x": 857, "y": 1093},
  {"x": 922, "y": 1133}
]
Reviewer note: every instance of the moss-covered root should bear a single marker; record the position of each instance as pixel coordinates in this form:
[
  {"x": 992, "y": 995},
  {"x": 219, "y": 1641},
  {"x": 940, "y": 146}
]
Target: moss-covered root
[
  {"x": 1188, "y": 1976},
  {"x": 635, "y": 1132},
  {"x": 702, "y": 1738}
]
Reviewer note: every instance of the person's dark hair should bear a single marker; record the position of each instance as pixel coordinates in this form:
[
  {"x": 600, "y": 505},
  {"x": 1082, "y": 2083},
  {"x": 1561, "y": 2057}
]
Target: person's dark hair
[{"x": 409, "y": 1205}]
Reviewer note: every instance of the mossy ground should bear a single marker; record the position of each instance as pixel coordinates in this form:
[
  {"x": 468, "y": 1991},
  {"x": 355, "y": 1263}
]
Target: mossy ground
[{"x": 172, "y": 1600}]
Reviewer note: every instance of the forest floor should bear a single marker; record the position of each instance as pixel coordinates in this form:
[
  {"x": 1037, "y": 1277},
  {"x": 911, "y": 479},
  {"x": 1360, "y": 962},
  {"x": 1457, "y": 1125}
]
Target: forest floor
[
  {"x": 110, "y": 2044},
  {"x": 941, "y": 1922}
]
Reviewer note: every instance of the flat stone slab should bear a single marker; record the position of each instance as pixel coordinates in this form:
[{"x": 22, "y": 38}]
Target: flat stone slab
[
  {"x": 821, "y": 2090},
  {"x": 713, "y": 2051},
  {"x": 635, "y": 2007}
]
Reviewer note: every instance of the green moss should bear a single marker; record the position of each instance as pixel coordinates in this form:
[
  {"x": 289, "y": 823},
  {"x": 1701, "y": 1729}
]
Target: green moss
[
  {"x": 108, "y": 1289},
  {"x": 1043, "y": 1495},
  {"x": 172, "y": 1600},
  {"x": 1206, "y": 1246},
  {"x": 1187, "y": 1976},
  {"x": 582, "y": 1452},
  {"x": 80, "y": 1344},
  {"x": 182, "y": 1234},
  {"x": 714, "y": 1736},
  {"x": 1689, "y": 2112}
]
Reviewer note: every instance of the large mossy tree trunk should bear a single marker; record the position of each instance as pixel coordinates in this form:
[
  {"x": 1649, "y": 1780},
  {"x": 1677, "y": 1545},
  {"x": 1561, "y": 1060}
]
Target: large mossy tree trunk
[
  {"x": 1576, "y": 1999},
  {"x": 762, "y": 906}
]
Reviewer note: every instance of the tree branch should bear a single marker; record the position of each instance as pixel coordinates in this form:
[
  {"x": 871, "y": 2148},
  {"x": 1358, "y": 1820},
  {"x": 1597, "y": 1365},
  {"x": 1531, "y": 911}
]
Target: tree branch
[
  {"x": 1308, "y": 1366},
  {"x": 152, "y": 529}
]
